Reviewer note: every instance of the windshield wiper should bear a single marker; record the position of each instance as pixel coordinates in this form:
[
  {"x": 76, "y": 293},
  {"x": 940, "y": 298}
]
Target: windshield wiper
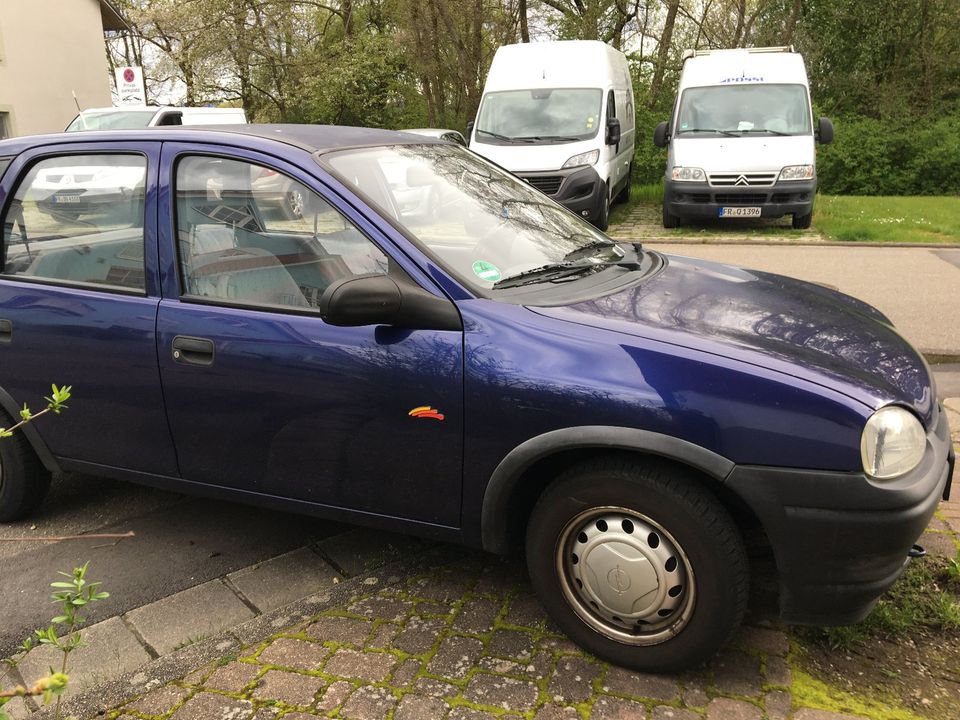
[
  {"x": 498, "y": 136},
  {"x": 562, "y": 138},
  {"x": 563, "y": 271},
  {"x": 590, "y": 250},
  {"x": 763, "y": 130},
  {"x": 713, "y": 130}
]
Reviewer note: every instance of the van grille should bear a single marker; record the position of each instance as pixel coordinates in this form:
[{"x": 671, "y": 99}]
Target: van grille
[
  {"x": 743, "y": 179},
  {"x": 547, "y": 184},
  {"x": 747, "y": 199}
]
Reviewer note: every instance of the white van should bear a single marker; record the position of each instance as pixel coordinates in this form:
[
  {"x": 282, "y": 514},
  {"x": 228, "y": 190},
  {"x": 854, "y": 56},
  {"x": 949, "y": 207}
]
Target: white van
[
  {"x": 135, "y": 117},
  {"x": 560, "y": 115},
  {"x": 741, "y": 141}
]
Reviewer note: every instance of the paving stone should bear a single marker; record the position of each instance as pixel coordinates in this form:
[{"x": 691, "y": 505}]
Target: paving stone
[
  {"x": 811, "y": 714},
  {"x": 17, "y": 709},
  {"x": 420, "y": 707},
  {"x": 772, "y": 642},
  {"x": 477, "y": 616},
  {"x": 777, "y": 704},
  {"x": 939, "y": 544},
  {"x": 428, "y": 607},
  {"x": 371, "y": 666},
  {"x": 455, "y": 657},
  {"x": 526, "y": 611},
  {"x": 778, "y": 672},
  {"x": 504, "y": 692},
  {"x": 362, "y": 550},
  {"x": 572, "y": 681},
  {"x": 382, "y": 608},
  {"x": 556, "y": 712},
  {"x": 339, "y": 630},
  {"x": 334, "y": 695},
  {"x": 209, "y": 706},
  {"x": 383, "y": 636},
  {"x": 610, "y": 708},
  {"x": 405, "y": 674},
  {"x": 196, "y": 677},
  {"x": 465, "y": 713},
  {"x": 368, "y": 703},
  {"x": 158, "y": 701},
  {"x": 694, "y": 692},
  {"x": 288, "y": 687},
  {"x": 284, "y": 579},
  {"x": 656, "y": 687},
  {"x": 665, "y": 712},
  {"x": 269, "y": 713},
  {"x": 435, "y": 688},
  {"x": 293, "y": 653},
  {"x": 560, "y": 645},
  {"x": 511, "y": 644},
  {"x": 419, "y": 634},
  {"x": 502, "y": 666},
  {"x": 736, "y": 673},
  {"x": 443, "y": 587},
  {"x": 727, "y": 709},
  {"x": 198, "y": 612},
  {"x": 233, "y": 677}
]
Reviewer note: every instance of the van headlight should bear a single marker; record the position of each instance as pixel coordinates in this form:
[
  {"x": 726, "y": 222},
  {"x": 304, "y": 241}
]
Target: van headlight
[
  {"x": 688, "y": 174},
  {"x": 585, "y": 158},
  {"x": 892, "y": 443},
  {"x": 797, "y": 172}
]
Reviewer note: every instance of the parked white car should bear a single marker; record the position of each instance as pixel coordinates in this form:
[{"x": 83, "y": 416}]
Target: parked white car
[{"x": 132, "y": 118}]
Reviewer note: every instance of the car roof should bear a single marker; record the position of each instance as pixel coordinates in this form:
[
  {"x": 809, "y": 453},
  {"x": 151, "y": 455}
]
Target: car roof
[{"x": 312, "y": 138}]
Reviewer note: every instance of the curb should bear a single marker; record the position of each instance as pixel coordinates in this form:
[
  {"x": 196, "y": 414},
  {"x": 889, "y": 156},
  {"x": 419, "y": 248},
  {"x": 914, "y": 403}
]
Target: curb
[
  {"x": 100, "y": 699},
  {"x": 741, "y": 240},
  {"x": 940, "y": 357}
]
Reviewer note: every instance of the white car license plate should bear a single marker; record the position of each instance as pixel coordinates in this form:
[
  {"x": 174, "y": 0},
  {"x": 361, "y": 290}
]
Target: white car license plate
[
  {"x": 739, "y": 212},
  {"x": 66, "y": 199}
]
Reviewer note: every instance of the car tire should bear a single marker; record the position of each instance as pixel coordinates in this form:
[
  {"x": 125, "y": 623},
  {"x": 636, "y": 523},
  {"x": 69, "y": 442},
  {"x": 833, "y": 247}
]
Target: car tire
[
  {"x": 802, "y": 222},
  {"x": 670, "y": 220},
  {"x": 624, "y": 195},
  {"x": 23, "y": 479},
  {"x": 603, "y": 211},
  {"x": 292, "y": 205},
  {"x": 689, "y": 576}
]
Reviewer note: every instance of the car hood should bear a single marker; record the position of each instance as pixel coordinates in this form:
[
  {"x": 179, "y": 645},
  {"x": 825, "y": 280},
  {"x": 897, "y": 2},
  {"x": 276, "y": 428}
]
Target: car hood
[
  {"x": 794, "y": 327},
  {"x": 736, "y": 154}
]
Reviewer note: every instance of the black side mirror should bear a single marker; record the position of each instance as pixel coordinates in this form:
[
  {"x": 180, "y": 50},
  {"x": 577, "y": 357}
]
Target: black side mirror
[
  {"x": 825, "y": 131},
  {"x": 382, "y": 300},
  {"x": 660, "y": 134},
  {"x": 470, "y": 124},
  {"x": 613, "y": 131}
]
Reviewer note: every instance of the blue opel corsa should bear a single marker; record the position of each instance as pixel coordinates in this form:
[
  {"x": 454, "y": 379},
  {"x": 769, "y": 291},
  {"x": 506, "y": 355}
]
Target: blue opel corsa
[{"x": 388, "y": 330}]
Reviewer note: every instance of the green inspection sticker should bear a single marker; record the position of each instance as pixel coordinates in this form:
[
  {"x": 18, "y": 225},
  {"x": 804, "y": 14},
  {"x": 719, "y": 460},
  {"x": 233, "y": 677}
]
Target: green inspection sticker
[{"x": 486, "y": 271}]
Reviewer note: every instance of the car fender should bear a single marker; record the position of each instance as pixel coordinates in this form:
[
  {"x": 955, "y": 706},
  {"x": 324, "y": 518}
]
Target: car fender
[{"x": 509, "y": 472}]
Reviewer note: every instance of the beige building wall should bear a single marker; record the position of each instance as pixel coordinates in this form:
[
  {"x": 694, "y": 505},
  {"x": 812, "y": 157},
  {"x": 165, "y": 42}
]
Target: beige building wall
[{"x": 49, "y": 48}]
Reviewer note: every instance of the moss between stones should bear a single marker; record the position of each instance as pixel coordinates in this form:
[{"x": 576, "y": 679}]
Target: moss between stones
[{"x": 809, "y": 692}]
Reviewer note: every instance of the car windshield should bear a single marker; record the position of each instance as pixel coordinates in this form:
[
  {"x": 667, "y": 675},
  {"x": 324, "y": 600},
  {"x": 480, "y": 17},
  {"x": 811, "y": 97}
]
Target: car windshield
[
  {"x": 480, "y": 222},
  {"x": 559, "y": 114},
  {"x": 744, "y": 109},
  {"x": 112, "y": 120}
]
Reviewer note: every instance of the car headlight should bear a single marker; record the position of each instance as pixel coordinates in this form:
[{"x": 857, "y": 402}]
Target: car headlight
[
  {"x": 893, "y": 443},
  {"x": 797, "y": 172},
  {"x": 584, "y": 158},
  {"x": 688, "y": 174}
]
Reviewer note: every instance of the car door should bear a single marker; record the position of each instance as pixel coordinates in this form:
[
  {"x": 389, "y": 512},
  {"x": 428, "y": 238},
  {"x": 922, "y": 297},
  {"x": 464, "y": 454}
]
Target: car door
[
  {"x": 262, "y": 395},
  {"x": 79, "y": 291}
]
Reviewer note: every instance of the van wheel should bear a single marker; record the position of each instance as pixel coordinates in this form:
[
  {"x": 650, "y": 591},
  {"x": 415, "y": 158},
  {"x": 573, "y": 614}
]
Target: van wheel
[
  {"x": 669, "y": 220},
  {"x": 624, "y": 195},
  {"x": 603, "y": 212},
  {"x": 802, "y": 222},
  {"x": 23, "y": 479},
  {"x": 293, "y": 202},
  {"x": 638, "y": 564}
]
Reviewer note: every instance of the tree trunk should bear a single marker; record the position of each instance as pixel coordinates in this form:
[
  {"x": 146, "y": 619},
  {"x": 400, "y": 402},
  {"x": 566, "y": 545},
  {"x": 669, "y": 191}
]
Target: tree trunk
[{"x": 663, "y": 52}]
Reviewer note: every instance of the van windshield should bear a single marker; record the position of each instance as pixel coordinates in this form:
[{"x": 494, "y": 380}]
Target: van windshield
[
  {"x": 744, "y": 109},
  {"x": 542, "y": 115},
  {"x": 112, "y": 120}
]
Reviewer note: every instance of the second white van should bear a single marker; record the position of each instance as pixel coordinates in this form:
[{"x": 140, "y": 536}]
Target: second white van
[
  {"x": 560, "y": 115},
  {"x": 141, "y": 116}
]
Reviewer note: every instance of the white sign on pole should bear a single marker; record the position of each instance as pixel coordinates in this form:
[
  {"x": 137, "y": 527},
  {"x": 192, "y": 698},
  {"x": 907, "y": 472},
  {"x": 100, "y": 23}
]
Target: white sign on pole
[{"x": 130, "y": 90}]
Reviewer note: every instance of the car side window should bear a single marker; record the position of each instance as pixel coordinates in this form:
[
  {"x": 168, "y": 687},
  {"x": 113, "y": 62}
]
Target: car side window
[
  {"x": 78, "y": 219},
  {"x": 250, "y": 235}
]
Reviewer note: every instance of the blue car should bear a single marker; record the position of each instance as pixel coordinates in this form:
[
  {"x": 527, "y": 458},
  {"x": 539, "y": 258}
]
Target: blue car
[{"x": 496, "y": 373}]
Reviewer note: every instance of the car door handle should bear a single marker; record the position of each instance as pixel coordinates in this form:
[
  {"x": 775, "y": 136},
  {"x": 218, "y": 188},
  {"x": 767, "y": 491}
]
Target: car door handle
[
  {"x": 6, "y": 331},
  {"x": 193, "y": 350}
]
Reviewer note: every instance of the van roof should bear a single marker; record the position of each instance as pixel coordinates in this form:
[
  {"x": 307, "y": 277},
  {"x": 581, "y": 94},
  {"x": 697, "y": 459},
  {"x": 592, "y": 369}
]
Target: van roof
[
  {"x": 158, "y": 108},
  {"x": 741, "y": 66},
  {"x": 560, "y": 63}
]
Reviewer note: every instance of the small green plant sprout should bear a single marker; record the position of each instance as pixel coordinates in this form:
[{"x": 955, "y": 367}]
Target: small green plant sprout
[
  {"x": 56, "y": 401},
  {"x": 72, "y": 595}
]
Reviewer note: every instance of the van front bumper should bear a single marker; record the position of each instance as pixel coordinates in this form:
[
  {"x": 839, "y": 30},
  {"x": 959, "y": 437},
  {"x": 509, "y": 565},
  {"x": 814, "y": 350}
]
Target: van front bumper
[
  {"x": 578, "y": 189},
  {"x": 702, "y": 200},
  {"x": 841, "y": 539}
]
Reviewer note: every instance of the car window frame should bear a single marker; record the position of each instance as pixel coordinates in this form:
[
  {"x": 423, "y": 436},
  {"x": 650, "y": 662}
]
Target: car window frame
[{"x": 22, "y": 165}]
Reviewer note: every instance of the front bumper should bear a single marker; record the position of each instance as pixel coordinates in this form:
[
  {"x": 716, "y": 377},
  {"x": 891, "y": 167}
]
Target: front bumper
[
  {"x": 578, "y": 189},
  {"x": 702, "y": 200},
  {"x": 841, "y": 539}
]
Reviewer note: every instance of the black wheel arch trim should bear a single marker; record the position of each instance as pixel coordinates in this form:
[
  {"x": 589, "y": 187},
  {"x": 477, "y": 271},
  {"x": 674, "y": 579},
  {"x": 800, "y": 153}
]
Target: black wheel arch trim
[
  {"x": 494, "y": 520},
  {"x": 29, "y": 432}
]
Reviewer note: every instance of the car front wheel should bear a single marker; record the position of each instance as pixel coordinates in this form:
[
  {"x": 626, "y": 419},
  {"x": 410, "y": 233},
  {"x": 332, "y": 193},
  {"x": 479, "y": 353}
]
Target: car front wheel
[
  {"x": 23, "y": 479},
  {"x": 638, "y": 564}
]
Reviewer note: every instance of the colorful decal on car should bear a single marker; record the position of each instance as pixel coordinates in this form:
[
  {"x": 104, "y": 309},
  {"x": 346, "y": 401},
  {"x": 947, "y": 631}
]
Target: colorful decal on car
[
  {"x": 486, "y": 271},
  {"x": 425, "y": 411}
]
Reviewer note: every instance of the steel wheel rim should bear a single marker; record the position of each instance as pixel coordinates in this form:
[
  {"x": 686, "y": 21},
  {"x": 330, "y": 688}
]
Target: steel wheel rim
[
  {"x": 295, "y": 203},
  {"x": 625, "y": 576}
]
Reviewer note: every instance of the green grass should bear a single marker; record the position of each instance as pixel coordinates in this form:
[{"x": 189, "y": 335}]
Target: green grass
[{"x": 909, "y": 219}]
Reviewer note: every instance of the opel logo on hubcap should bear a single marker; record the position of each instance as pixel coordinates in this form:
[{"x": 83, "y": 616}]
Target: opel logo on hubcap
[{"x": 618, "y": 580}]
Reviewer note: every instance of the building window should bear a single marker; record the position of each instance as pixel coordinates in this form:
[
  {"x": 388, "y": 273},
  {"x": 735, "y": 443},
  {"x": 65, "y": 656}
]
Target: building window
[{"x": 4, "y": 125}]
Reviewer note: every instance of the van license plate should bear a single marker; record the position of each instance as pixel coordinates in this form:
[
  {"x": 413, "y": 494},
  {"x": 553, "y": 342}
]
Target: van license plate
[
  {"x": 739, "y": 212},
  {"x": 66, "y": 199}
]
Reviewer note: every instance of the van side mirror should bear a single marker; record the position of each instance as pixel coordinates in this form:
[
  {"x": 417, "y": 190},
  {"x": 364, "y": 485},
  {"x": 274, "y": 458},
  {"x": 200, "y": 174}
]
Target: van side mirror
[
  {"x": 470, "y": 124},
  {"x": 613, "y": 131},
  {"x": 825, "y": 131},
  {"x": 660, "y": 134}
]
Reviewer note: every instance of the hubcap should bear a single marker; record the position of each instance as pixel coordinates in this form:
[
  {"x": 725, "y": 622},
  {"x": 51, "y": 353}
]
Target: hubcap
[
  {"x": 625, "y": 576},
  {"x": 295, "y": 201}
]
